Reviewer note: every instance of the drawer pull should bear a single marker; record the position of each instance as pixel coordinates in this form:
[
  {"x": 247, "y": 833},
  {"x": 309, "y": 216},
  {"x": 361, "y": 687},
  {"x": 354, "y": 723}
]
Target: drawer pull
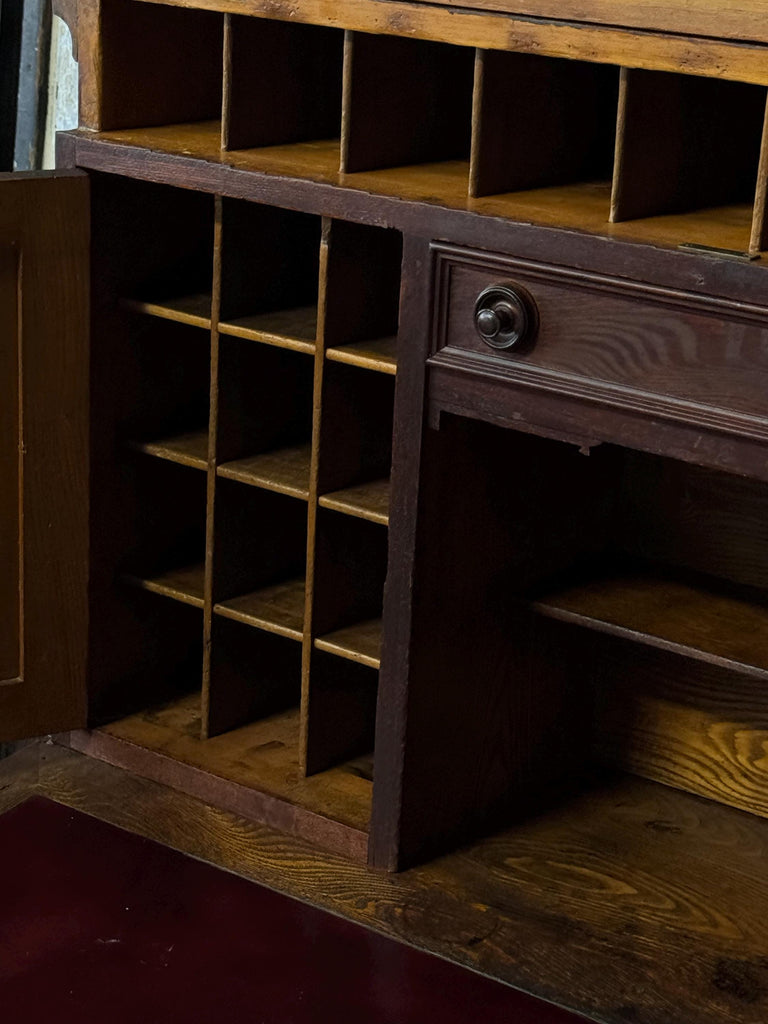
[{"x": 506, "y": 316}]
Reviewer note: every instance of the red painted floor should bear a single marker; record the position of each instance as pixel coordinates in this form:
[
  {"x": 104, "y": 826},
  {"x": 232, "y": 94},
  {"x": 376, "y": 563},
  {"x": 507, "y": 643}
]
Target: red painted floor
[{"x": 98, "y": 925}]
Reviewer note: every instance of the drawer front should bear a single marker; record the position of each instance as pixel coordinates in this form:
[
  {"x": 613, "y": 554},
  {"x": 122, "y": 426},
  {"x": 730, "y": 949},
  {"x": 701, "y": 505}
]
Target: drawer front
[{"x": 607, "y": 336}]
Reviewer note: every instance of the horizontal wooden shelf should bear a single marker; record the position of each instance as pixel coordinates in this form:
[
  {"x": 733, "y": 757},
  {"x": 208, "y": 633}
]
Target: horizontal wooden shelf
[
  {"x": 379, "y": 355},
  {"x": 186, "y": 584},
  {"x": 294, "y": 329},
  {"x": 276, "y": 609},
  {"x": 189, "y": 309},
  {"x": 189, "y": 449},
  {"x": 581, "y": 206},
  {"x": 366, "y": 501},
  {"x": 285, "y": 471},
  {"x": 686, "y": 617},
  {"x": 360, "y": 643},
  {"x": 259, "y": 758}
]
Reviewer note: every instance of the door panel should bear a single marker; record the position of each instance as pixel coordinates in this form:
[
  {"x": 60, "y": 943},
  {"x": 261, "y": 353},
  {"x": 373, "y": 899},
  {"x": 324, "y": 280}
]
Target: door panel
[
  {"x": 44, "y": 240},
  {"x": 10, "y": 645}
]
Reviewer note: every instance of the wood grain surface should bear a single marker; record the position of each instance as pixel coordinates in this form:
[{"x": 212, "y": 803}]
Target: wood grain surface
[
  {"x": 659, "y": 896},
  {"x": 670, "y": 49}
]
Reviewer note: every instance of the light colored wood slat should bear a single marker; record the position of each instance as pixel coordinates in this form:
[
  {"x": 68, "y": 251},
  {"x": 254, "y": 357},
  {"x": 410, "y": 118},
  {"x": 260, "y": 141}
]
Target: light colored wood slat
[
  {"x": 379, "y": 355},
  {"x": 285, "y": 471},
  {"x": 190, "y": 449},
  {"x": 277, "y": 609},
  {"x": 185, "y": 584},
  {"x": 360, "y": 643},
  {"x": 189, "y": 309},
  {"x": 366, "y": 501},
  {"x": 678, "y": 616},
  {"x": 295, "y": 329}
]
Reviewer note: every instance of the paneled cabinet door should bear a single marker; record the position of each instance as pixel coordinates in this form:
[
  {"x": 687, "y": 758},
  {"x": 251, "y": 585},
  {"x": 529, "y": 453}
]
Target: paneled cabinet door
[{"x": 44, "y": 240}]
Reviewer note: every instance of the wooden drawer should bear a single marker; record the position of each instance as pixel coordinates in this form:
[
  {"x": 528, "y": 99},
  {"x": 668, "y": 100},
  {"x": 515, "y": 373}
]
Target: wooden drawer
[{"x": 687, "y": 356}]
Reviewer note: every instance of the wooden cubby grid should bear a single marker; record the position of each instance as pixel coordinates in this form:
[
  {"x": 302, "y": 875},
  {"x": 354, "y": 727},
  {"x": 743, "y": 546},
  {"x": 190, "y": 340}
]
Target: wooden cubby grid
[
  {"x": 654, "y": 156},
  {"x": 276, "y": 422}
]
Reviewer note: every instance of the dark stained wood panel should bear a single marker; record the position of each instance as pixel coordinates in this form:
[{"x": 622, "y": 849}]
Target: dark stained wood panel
[
  {"x": 44, "y": 231},
  {"x": 10, "y": 440}
]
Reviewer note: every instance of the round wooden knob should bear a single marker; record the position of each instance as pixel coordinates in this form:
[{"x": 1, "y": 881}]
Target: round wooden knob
[{"x": 506, "y": 316}]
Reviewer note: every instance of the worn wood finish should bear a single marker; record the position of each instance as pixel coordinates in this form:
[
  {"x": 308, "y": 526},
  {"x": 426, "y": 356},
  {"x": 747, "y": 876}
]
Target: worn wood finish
[
  {"x": 44, "y": 297},
  {"x": 304, "y": 59},
  {"x": 541, "y": 122},
  {"x": 685, "y": 143},
  {"x": 665, "y": 51},
  {"x": 741, "y": 20},
  {"x": 408, "y": 102}
]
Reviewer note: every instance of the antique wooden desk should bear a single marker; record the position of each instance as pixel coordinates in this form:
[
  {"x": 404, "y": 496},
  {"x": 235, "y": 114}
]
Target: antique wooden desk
[{"x": 384, "y": 454}]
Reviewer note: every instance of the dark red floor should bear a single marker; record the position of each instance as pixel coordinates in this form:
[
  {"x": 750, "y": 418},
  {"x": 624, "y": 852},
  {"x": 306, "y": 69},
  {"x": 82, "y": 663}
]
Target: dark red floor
[{"x": 98, "y": 925}]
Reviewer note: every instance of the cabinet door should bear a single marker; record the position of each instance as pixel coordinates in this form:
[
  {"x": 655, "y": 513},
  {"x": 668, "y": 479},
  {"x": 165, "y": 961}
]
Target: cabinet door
[{"x": 44, "y": 239}]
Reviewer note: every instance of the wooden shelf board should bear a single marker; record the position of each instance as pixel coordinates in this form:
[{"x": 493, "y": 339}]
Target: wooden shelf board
[
  {"x": 277, "y": 609},
  {"x": 379, "y": 355},
  {"x": 294, "y": 329},
  {"x": 366, "y": 501},
  {"x": 189, "y": 309},
  {"x": 262, "y": 756},
  {"x": 190, "y": 449},
  {"x": 186, "y": 584},
  {"x": 285, "y": 471},
  {"x": 583, "y": 206},
  {"x": 687, "y": 618},
  {"x": 360, "y": 643}
]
